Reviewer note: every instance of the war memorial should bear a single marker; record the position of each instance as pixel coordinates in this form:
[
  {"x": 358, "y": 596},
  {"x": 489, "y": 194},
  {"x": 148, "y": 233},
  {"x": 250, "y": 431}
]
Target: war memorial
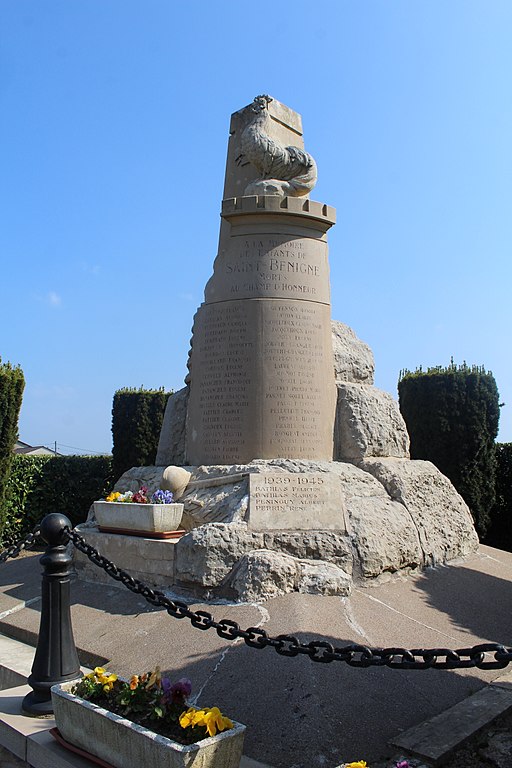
[
  {"x": 329, "y": 567},
  {"x": 292, "y": 466}
]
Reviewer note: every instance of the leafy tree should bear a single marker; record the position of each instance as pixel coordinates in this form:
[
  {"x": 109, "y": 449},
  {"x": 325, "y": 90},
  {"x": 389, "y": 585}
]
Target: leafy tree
[
  {"x": 452, "y": 416},
  {"x": 12, "y": 384},
  {"x": 137, "y": 416}
]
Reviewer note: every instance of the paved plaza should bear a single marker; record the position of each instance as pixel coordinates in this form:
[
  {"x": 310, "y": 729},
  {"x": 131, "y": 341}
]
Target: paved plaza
[{"x": 298, "y": 713}]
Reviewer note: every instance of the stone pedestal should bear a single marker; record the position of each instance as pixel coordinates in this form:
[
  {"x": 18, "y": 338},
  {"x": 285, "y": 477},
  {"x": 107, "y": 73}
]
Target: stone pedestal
[
  {"x": 261, "y": 364},
  {"x": 150, "y": 560}
]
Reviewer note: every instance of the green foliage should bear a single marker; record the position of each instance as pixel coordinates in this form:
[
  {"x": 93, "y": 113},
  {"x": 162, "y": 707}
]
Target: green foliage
[
  {"x": 137, "y": 416},
  {"x": 452, "y": 417},
  {"x": 23, "y": 478},
  {"x": 12, "y": 384},
  {"x": 39, "y": 485},
  {"x": 504, "y": 479},
  {"x": 500, "y": 532}
]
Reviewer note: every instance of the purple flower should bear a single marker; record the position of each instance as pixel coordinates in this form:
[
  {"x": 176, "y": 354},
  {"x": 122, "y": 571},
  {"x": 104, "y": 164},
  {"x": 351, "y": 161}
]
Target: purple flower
[
  {"x": 162, "y": 497},
  {"x": 166, "y": 688},
  {"x": 180, "y": 690},
  {"x": 402, "y": 764}
]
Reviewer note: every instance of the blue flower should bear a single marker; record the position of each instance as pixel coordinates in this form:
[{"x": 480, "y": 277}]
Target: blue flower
[{"x": 162, "y": 497}]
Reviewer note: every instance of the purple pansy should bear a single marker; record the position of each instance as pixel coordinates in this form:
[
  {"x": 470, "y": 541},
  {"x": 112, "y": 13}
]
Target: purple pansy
[
  {"x": 162, "y": 497},
  {"x": 180, "y": 690}
]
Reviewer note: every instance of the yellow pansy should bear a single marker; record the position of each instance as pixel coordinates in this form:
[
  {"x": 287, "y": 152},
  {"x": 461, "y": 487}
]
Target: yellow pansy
[
  {"x": 215, "y": 721},
  {"x": 357, "y": 764},
  {"x": 100, "y": 676},
  {"x": 187, "y": 718},
  {"x": 108, "y": 682},
  {"x": 113, "y": 496},
  {"x": 210, "y": 718}
]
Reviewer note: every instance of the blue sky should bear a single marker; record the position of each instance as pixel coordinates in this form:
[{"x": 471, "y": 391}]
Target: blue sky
[{"x": 113, "y": 136}]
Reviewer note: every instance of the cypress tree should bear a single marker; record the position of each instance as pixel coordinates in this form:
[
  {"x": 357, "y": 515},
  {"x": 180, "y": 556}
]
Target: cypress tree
[
  {"x": 137, "y": 416},
  {"x": 12, "y": 384},
  {"x": 452, "y": 417}
]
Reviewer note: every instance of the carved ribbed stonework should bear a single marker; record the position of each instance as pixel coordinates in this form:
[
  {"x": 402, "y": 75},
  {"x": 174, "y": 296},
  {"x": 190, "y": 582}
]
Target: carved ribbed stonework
[{"x": 261, "y": 365}]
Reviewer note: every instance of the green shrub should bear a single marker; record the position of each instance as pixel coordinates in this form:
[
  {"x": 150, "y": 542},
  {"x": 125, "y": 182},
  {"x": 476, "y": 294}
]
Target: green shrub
[
  {"x": 137, "y": 416},
  {"x": 500, "y": 531},
  {"x": 39, "y": 485},
  {"x": 23, "y": 478},
  {"x": 12, "y": 384},
  {"x": 452, "y": 417}
]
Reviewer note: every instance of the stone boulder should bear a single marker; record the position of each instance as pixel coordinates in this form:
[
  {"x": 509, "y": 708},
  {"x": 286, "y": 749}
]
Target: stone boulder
[
  {"x": 207, "y": 555},
  {"x": 323, "y": 579},
  {"x": 264, "y": 574},
  {"x": 384, "y": 537},
  {"x": 135, "y": 477},
  {"x": 439, "y": 514},
  {"x": 353, "y": 359},
  {"x": 399, "y": 514},
  {"x": 368, "y": 423},
  {"x": 171, "y": 445}
]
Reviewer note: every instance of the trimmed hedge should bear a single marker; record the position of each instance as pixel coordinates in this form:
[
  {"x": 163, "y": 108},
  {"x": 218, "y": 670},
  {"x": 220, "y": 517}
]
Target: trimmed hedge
[
  {"x": 500, "y": 531},
  {"x": 12, "y": 384},
  {"x": 137, "y": 416},
  {"x": 39, "y": 485},
  {"x": 452, "y": 417}
]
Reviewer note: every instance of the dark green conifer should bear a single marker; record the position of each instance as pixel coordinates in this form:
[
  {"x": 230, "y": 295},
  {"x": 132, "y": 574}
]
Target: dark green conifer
[
  {"x": 12, "y": 384},
  {"x": 452, "y": 417},
  {"x": 137, "y": 416}
]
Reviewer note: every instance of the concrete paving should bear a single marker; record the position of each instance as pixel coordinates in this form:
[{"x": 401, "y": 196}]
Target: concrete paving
[{"x": 298, "y": 713}]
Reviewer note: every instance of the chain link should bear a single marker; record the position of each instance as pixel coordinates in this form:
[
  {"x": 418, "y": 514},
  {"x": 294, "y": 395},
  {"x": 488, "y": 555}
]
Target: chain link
[
  {"x": 15, "y": 549},
  {"x": 320, "y": 651}
]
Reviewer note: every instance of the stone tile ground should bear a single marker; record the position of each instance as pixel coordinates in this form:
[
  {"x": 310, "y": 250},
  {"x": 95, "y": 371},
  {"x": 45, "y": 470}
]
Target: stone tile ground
[
  {"x": 490, "y": 749},
  {"x": 8, "y": 760},
  {"x": 361, "y": 709}
]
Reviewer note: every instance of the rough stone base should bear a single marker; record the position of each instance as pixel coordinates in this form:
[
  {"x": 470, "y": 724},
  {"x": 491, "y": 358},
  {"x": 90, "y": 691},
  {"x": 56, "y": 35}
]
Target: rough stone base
[{"x": 395, "y": 515}]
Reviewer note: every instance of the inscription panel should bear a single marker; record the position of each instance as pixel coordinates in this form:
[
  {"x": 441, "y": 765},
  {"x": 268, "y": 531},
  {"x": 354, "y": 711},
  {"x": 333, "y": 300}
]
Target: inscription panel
[
  {"x": 262, "y": 383},
  {"x": 223, "y": 385},
  {"x": 277, "y": 266},
  {"x": 307, "y": 501},
  {"x": 298, "y": 365}
]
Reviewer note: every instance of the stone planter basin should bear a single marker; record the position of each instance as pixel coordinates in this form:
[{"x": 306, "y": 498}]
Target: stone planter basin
[
  {"x": 127, "y": 516},
  {"x": 124, "y": 744}
]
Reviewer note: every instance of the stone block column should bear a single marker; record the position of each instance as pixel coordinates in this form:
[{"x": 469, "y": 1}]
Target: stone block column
[{"x": 261, "y": 363}]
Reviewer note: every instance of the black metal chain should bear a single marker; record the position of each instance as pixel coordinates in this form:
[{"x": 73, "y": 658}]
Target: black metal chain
[
  {"x": 355, "y": 655},
  {"x": 15, "y": 549}
]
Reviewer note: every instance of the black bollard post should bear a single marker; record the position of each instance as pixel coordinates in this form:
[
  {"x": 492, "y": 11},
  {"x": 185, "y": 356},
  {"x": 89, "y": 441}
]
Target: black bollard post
[{"x": 56, "y": 659}]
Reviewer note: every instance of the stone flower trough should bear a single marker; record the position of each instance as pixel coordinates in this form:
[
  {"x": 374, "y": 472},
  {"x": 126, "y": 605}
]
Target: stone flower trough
[
  {"x": 124, "y": 744},
  {"x": 151, "y": 520}
]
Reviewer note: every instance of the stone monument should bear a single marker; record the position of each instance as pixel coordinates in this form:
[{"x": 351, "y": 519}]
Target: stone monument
[
  {"x": 261, "y": 363},
  {"x": 293, "y": 468}
]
